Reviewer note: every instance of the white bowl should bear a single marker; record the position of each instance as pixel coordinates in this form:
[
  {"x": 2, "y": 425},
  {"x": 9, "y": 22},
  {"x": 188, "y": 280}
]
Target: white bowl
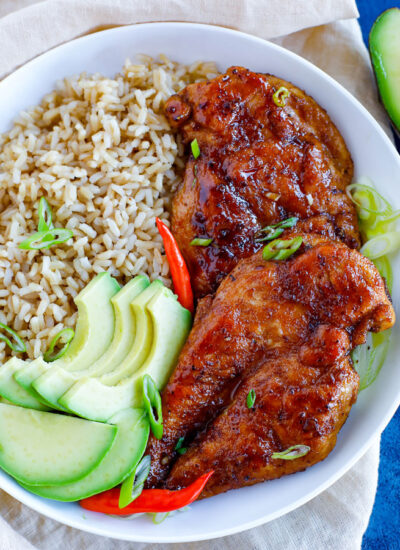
[{"x": 373, "y": 156}]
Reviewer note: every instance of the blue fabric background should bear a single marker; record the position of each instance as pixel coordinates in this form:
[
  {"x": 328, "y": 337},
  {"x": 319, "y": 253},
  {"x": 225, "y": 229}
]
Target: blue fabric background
[{"x": 383, "y": 531}]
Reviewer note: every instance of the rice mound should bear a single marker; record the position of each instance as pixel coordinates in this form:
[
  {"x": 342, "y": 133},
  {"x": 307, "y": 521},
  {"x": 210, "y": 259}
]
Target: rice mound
[{"x": 102, "y": 153}]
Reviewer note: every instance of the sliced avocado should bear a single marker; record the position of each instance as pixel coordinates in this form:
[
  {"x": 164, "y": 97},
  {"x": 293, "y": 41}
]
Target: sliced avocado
[
  {"x": 171, "y": 324},
  {"x": 384, "y": 47},
  {"x": 13, "y": 392},
  {"x": 42, "y": 448},
  {"x": 56, "y": 380},
  {"x": 119, "y": 463},
  {"x": 93, "y": 334},
  {"x": 143, "y": 341},
  {"x": 141, "y": 346}
]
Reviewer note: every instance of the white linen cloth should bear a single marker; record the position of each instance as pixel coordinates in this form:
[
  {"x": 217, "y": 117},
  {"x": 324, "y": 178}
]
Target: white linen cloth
[{"x": 327, "y": 34}]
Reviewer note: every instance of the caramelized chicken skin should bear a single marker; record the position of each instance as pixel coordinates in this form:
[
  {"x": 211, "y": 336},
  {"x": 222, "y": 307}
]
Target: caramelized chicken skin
[
  {"x": 296, "y": 404},
  {"x": 259, "y": 164},
  {"x": 314, "y": 308}
]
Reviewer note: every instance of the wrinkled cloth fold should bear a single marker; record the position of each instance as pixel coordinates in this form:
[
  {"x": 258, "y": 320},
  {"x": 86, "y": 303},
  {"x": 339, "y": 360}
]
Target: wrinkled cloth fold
[{"x": 328, "y": 35}]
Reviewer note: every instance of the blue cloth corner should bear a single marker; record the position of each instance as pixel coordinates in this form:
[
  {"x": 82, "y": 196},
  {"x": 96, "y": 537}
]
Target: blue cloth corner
[{"x": 383, "y": 532}]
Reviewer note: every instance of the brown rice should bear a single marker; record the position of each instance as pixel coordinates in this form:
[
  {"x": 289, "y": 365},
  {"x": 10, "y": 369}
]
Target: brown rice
[{"x": 102, "y": 153}]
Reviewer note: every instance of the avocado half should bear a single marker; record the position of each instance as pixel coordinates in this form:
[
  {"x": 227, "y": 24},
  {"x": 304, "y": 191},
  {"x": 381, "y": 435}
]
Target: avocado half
[{"x": 384, "y": 47}]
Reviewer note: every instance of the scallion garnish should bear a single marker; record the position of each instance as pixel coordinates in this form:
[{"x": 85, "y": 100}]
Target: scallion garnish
[
  {"x": 297, "y": 451},
  {"x": 382, "y": 264},
  {"x": 152, "y": 403},
  {"x": 46, "y": 239},
  {"x": 195, "y": 148},
  {"x": 201, "y": 242},
  {"x": 159, "y": 517},
  {"x": 178, "y": 447},
  {"x": 133, "y": 485},
  {"x": 280, "y": 249},
  {"x": 47, "y": 235},
  {"x": 381, "y": 245},
  {"x": 18, "y": 346},
  {"x": 274, "y": 231},
  {"x": 45, "y": 216},
  {"x": 369, "y": 357},
  {"x": 65, "y": 337},
  {"x": 250, "y": 399},
  {"x": 368, "y": 199},
  {"x": 280, "y": 96}
]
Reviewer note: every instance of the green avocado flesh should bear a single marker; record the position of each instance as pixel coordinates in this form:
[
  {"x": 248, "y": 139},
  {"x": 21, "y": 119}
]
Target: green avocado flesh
[
  {"x": 93, "y": 335},
  {"x": 57, "y": 380},
  {"x": 144, "y": 338},
  {"x": 92, "y": 399},
  {"x": 42, "y": 448},
  {"x": 12, "y": 391},
  {"x": 384, "y": 46},
  {"x": 128, "y": 448}
]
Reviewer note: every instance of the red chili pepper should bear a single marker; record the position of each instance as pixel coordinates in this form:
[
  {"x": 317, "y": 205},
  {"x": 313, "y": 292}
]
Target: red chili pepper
[
  {"x": 177, "y": 265},
  {"x": 150, "y": 500}
]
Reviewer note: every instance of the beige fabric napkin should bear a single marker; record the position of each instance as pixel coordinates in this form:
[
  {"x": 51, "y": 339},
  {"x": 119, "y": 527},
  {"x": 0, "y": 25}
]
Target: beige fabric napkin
[{"x": 336, "y": 519}]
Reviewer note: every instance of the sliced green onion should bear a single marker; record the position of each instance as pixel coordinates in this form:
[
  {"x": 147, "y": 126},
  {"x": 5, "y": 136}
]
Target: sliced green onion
[
  {"x": 281, "y": 249},
  {"x": 159, "y": 517},
  {"x": 368, "y": 199},
  {"x": 46, "y": 239},
  {"x": 381, "y": 245},
  {"x": 201, "y": 242},
  {"x": 382, "y": 264},
  {"x": 369, "y": 357},
  {"x": 274, "y": 231},
  {"x": 133, "y": 485},
  {"x": 45, "y": 216},
  {"x": 152, "y": 402},
  {"x": 297, "y": 451},
  {"x": 280, "y": 96},
  {"x": 178, "y": 447},
  {"x": 250, "y": 399},
  {"x": 65, "y": 336},
  {"x": 195, "y": 148},
  {"x": 19, "y": 345}
]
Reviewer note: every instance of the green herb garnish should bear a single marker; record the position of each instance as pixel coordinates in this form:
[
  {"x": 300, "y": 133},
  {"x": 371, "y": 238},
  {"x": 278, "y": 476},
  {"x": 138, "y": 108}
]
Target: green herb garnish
[
  {"x": 152, "y": 404},
  {"x": 133, "y": 485},
  {"x": 297, "y": 451},
  {"x": 280, "y": 249},
  {"x": 250, "y": 399},
  {"x": 280, "y": 96},
  {"x": 65, "y": 336},
  {"x": 274, "y": 231},
  {"x": 47, "y": 235},
  {"x": 195, "y": 148},
  {"x": 46, "y": 239},
  {"x": 45, "y": 216},
  {"x": 159, "y": 517},
  {"x": 19, "y": 345},
  {"x": 178, "y": 447},
  {"x": 201, "y": 242}
]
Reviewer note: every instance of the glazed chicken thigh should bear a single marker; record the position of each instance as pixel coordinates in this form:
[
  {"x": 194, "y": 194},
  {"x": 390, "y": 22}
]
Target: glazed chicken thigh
[
  {"x": 296, "y": 403},
  {"x": 284, "y": 329},
  {"x": 259, "y": 163}
]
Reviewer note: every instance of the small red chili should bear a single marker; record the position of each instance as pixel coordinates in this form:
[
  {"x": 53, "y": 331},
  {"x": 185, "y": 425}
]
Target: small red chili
[
  {"x": 150, "y": 500},
  {"x": 177, "y": 265}
]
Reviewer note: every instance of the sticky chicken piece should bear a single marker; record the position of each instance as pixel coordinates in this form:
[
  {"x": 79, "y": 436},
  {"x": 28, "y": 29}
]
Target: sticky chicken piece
[
  {"x": 296, "y": 403},
  {"x": 259, "y": 163},
  {"x": 263, "y": 311}
]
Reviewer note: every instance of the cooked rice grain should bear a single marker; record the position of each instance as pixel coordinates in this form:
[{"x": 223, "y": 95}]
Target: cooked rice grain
[{"x": 102, "y": 153}]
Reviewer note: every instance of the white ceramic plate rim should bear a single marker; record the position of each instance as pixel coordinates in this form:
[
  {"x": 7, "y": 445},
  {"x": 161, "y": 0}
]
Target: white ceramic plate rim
[{"x": 45, "y": 507}]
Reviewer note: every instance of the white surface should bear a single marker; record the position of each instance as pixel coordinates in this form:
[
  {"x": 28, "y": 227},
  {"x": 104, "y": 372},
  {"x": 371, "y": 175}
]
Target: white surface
[{"x": 373, "y": 155}]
